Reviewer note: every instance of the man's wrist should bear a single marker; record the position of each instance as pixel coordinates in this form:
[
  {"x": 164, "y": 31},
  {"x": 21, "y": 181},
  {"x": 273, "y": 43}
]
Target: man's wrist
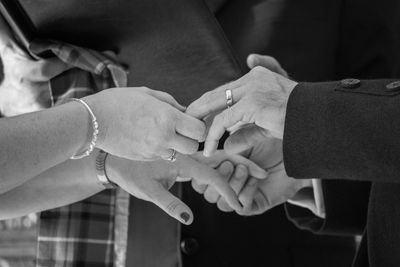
[{"x": 92, "y": 101}]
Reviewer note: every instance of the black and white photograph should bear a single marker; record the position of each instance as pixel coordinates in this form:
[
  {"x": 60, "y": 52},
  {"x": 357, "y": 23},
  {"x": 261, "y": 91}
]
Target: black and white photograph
[{"x": 199, "y": 133}]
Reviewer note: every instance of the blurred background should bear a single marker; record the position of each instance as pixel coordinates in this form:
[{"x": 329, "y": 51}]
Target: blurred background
[{"x": 18, "y": 241}]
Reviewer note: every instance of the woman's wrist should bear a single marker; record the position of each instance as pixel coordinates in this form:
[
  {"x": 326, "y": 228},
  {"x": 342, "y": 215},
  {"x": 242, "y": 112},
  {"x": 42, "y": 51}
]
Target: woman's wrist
[
  {"x": 80, "y": 122},
  {"x": 98, "y": 110}
]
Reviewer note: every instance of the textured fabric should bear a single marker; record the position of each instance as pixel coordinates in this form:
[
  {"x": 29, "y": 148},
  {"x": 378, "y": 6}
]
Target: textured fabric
[
  {"x": 173, "y": 46},
  {"x": 333, "y": 132},
  {"x": 303, "y": 36},
  {"x": 91, "y": 232}
]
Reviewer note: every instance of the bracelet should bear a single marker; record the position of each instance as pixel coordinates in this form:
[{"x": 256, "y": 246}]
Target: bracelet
[
  {"x": 95, "y": 126},
  {"x": 101, "y": 170}
]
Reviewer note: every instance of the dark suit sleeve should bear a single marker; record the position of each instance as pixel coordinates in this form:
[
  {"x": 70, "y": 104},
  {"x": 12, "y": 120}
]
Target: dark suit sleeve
[
  {"x": 336, "y": 133},
  {"x": 346, "y": 205}
]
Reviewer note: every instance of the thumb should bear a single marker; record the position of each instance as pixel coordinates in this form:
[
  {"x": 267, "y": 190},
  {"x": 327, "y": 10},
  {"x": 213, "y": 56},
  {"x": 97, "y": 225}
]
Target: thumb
[
  {"x": 172, "y": 205},
  {"x": 254, "y": 60}
]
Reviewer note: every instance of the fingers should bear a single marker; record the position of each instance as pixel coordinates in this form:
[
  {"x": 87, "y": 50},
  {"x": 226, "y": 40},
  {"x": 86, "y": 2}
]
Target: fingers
[
  {"x": 253, "y": 169},
  {"x": 248, "y": 193},
  {"x": 258, "y": 205},
  {"x": 214, "y": 100},
  {"x": 183, "y": 145},
  {"x": 254, "y": 60},
  {"x": 239, "y": 178},
  {"x": 171, "y": 204},
  {"x": 221, "y": 156},
  {"x": 237, "y": 181},
  {"x": 199, "y": 188},
  {"x": 223, "y": 205},
  {"x": 208, "y": 103},
  {"x": 203, "y": 174},
  {"x": 226, "y": 169},
  {"x": 221, "y": 123},
  {"x": 190, "y": 127},
  {"x": 165, "y": 97},
  {"x": 223, "y": 188}
]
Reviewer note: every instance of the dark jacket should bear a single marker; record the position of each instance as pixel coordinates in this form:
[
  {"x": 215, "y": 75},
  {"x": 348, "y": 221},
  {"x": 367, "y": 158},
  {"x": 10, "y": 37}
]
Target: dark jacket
[
  {"x": 352, "y": 134},
  {"x": 314, "y": 41},
  {"x": 307, "y": 37}
]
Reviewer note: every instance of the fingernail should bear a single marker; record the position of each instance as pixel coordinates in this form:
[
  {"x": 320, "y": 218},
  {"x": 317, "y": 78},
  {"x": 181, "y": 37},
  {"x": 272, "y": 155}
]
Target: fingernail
[{"x": 185, "y": 216}]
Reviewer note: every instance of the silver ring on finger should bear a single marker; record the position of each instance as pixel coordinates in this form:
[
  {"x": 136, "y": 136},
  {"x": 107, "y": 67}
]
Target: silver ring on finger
[
  {"x": 172, "y": 157},
  {"x": 229, "y": 98}
]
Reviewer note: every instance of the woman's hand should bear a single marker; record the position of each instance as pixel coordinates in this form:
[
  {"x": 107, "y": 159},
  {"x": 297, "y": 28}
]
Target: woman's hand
[
  {"x": 150, "y": 181},
  {"x": 144, "y": 124}
]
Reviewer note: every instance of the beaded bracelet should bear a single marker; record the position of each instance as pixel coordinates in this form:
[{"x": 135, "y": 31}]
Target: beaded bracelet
[{"x": 95, "y": 126}]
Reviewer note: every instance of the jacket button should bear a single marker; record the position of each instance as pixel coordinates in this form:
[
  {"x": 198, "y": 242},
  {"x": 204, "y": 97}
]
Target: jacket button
[
  {"x": 190, "y": 246},
  {"x": 350, "y": 83},
  {"x": 394, "y": 86}
]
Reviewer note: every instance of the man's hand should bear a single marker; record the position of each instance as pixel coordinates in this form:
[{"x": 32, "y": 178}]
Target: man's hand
[
  {"x": 268, "y": 62},
  {"x": 257, "y": 196},
  {"x": 259, "y": 97},
  {"x": 151, "y": 180}
]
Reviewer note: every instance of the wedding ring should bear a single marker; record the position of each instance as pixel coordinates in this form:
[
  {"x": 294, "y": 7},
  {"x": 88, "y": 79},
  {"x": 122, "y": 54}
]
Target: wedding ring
[
  {"x": 229, "y": 98},
  {"x": 172, "y": 158}
]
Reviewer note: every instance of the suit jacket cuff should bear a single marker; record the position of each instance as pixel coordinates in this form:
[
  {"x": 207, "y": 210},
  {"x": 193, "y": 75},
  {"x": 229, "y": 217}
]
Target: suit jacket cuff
[{"x": 311, "y": 198}]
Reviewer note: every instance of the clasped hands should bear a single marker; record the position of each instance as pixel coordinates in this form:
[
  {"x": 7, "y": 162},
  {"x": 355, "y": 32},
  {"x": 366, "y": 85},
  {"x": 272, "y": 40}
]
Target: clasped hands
[
  {"x": 247, "y": 177},
  {"x": 153, "y": 123},
  {"x": 256, "y": 122}
]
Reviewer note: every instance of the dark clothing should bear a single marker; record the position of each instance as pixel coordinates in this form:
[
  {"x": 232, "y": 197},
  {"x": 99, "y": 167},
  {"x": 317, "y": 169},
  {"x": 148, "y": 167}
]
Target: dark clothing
[
  {"x": 350, "y": 133},
  {"x": 308, "y": 37},
  {"x": 287, "y": 31}
]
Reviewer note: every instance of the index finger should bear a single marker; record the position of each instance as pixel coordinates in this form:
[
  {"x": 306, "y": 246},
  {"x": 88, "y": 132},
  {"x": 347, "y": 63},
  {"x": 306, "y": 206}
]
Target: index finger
[
  {"x": 221, "y": 123},
  {"x": 221, "y": 156},
  {"x": 203, "y": 174},
  {"x": 190, "y": 127},
  {"x": 214, "y": 100}
]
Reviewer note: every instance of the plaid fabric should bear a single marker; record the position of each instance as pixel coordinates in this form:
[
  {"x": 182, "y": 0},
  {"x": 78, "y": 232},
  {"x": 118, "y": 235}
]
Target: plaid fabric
[{"x": 92, "y": 232}]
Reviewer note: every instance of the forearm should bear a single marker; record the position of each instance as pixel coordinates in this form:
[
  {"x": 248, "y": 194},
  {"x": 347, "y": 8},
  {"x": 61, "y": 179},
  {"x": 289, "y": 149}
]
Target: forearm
[
  {"x": 336, "y": 133},
  {"x": 33, "y": 143},
  {"x": 66, "y": 183}
]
